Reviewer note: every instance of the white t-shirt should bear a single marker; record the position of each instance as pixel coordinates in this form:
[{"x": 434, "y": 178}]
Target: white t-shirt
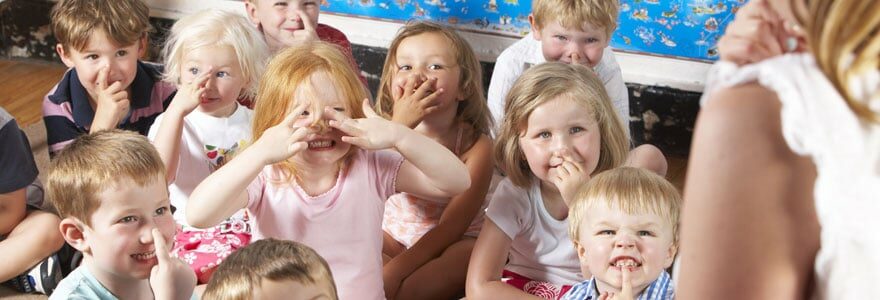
[
  {"x": 206, "y": 143},
  {"x": 526, "y": 53},
  {"x": 816, "y": 122},
  {"x": 540, "y": 248}
]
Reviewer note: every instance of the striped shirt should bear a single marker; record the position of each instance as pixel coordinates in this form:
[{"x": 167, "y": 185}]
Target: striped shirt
[
  {"x": 660, "y": 289},
  {"x": 68, "y": 113}
]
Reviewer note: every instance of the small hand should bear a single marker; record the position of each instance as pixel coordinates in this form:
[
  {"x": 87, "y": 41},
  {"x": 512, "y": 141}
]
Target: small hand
[
  {"x": 756, "y": 33},
  {"x": 170, "y": 278},
  {"x": 308, "y": 33},
  {"x": 284, "y": 140},
  {"x": 371, "y": 133},
  {"x": 112, "y": 101},
  {"x": 189, "y": 94},
  {"x": 625, "y": 293},
  {"x": 412, "y": 104},
  {"x": 568, "y": 177}
]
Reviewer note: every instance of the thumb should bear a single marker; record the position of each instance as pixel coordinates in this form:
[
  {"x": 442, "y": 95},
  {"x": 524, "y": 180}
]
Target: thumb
[{"x": 368, "y": 110}]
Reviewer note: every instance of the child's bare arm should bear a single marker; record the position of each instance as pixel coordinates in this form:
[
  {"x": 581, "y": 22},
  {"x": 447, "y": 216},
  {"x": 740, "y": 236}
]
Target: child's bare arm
[
  {"x": 111, "y": 101},
  {"x": 454, "y": 221},
  {"x": 749, "y": 197},
  {"x": 225, "y": 191},
  {"x": 430, "y": 170},
  {"x": 167, "y": 139},
  {"x": 487, "y": 263},
  {"x": 30, "y": 236}
]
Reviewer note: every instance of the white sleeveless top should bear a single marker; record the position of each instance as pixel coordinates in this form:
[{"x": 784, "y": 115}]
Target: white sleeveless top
[{"x": 816, "y": 122}]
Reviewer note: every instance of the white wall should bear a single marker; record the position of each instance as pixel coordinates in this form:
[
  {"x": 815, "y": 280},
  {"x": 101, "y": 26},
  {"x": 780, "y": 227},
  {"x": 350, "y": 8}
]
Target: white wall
[{"x": 637, "y": 68}]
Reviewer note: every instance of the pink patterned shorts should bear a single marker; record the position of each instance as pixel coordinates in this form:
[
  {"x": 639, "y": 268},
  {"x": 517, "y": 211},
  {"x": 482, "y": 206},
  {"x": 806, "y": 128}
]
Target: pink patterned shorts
[
  {"x": 541, "y": 289},
  {"x": 204, "y": 249}
]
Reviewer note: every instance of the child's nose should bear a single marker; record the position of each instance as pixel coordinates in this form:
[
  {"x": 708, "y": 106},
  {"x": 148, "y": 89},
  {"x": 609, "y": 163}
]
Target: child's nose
[
  {"x": 625, "y": 241},
  {"x": 561, "y": 146},
  {"x": 146, "y": 233}
]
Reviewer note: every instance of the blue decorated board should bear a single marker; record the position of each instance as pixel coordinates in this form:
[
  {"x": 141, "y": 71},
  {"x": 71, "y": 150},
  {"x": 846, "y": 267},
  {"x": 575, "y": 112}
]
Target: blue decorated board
[{"x": 681, "y": 28}]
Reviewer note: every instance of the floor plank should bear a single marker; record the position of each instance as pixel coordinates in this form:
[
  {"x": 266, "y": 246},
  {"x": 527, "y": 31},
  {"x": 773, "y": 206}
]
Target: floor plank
[{"x": 23, "y": 84}]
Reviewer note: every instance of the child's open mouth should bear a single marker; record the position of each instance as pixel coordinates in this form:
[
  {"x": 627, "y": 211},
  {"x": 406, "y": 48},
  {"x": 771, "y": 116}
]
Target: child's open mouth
[
  {"x": 144, "y": 257},
  {"x": 627, "y": 262},
  {"x": 321, "y": 145}
]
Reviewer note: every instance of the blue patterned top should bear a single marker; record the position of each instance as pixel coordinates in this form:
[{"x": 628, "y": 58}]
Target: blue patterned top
[{"x": 660, "y": 289}]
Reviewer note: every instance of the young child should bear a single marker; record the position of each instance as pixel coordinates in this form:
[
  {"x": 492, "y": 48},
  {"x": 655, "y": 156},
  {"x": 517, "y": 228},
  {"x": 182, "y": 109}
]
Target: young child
[
  {"x": 567, "y": 31},
  {"x": 797, "y": 207},
  {"x": 314, "y": 170},
  {"x": 624, "y": 224},
  {"x": 109, "y": 188},
  {"x": 426, "y": 57},
  {"x": 28, "y": 235},
  {"x": 107, "y": 86},
  {"x": 215, "y": 57},
  {"x": 286, "y": 23},
  {"x": 559, "y": 129},
  {"x": 272, "y": 269},
  {"x": 576, "y": 32}
]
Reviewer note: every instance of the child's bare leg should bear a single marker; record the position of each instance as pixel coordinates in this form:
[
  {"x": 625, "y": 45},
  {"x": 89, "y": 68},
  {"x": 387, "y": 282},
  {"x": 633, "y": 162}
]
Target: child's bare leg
[
  {"x": 31, "y": 241},
  {"x": 441, "y": 278},
  {"x": 390, "y": 247},
  {"x": 647, "y": 157}
]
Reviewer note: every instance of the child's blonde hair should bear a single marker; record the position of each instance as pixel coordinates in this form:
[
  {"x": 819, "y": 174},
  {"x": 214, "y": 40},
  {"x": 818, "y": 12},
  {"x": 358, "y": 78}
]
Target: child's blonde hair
[
  {"x": 124, "y": 21},
  {"x": 212, "y": 28},
  {"x": 96, "y": 162},
  {"x": 844, "y": 36},
  {"x": 631, "y": 190},
  {"x": 576, "y": 13},
  {"x": 290, "y": 70},
  {"x": 542, "y": 84},
  {"x": 473, "y": 110},
  {"x": 268, "y": 259}
]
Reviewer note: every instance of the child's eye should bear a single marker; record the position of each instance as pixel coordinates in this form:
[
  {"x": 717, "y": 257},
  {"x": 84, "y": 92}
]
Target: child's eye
[
  {"x": 194, "y": 71},
  {"x": 435, "y": 67},
  {"x": 128, "y": 219},
  {"x": 339, "y": 109},
  {"x": 304, "y": 113},
  {"x": 121, "y": 53},
  {"x": 222, "y": 74},
  {"x": 404, "y": 68},
  {"x": 309, "y": 4},
  {"x": 91, "y": 56},
  {"x": 561, "y": 37},
  {"x": 280, "y": 4},
  {"x": 645, "y": 233},
  {"x": 543, "y": 135},
  {"x": 575, "y": 129},
  {"x": 592, "y": 40},
  {"x": 605, "y": 232},
  {"x": 161, "y": 211}
]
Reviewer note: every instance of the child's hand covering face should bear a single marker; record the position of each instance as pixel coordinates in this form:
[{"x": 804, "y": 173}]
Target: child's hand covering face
[
  {"x": 371, "y": 133},
  {"x": 412, "y": 103},
  {"x": 284, "y": 140}
]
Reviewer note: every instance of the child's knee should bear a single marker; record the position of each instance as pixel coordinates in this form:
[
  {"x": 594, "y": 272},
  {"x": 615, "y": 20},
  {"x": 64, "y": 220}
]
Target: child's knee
[{"x": 648, "y": 157}]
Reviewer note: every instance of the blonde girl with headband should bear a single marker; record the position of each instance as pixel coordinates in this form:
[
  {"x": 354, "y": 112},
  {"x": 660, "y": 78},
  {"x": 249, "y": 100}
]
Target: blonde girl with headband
[
  {"x": 559, "y": 129},
  {"x": 432, "y": 83},
  {"x": 320, "y": 167},
  {"x": 784, "y": 178},
  {"x": 215, "y": 57}
]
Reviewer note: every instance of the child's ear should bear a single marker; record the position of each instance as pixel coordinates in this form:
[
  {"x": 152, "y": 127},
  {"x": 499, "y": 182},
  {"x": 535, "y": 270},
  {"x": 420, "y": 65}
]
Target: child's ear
[
  {"x": 673, "y": 250},
  {"x": 251, "y": 9},
  {"x": 72, "y": 231},
  {"x": 536, "y": 31},
  {"x": 65, "y": 57},
  {"x": 142, "y": 46},
  {"x": 581, "y": 251}
]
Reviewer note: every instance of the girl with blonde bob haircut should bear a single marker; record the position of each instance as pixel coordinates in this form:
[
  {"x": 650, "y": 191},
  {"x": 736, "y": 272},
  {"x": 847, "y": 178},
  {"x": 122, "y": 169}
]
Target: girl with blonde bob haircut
[
  {"x": 321, "y": 160},
  {"x": 559, "y": 129}
]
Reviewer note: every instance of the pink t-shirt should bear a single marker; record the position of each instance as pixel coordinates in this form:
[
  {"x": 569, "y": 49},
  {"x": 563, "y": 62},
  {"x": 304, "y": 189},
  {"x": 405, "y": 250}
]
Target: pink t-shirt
[{"x": 344, "y": 225}]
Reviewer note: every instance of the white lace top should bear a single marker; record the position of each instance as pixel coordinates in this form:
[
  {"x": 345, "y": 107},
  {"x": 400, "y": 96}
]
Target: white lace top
[{"x": 816, "y": 122}]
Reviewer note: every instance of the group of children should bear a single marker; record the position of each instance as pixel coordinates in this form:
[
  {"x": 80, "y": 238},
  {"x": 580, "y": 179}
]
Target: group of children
[{"x": 267, "y": 171}]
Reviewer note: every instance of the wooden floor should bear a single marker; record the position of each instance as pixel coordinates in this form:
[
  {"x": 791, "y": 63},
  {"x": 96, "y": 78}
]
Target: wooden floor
[{"x": 23, "y": 84}]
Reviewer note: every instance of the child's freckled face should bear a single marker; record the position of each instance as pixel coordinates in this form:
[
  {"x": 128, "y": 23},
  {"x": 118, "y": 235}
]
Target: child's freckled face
[{"x": 611, "y": 239}]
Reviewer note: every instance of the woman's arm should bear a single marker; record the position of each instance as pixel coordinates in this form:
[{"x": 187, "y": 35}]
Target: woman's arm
[
  {"x": 454, "y": 221},
  {"x": 487, "y": 263},
  {"x": 748, "y": 226}
]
